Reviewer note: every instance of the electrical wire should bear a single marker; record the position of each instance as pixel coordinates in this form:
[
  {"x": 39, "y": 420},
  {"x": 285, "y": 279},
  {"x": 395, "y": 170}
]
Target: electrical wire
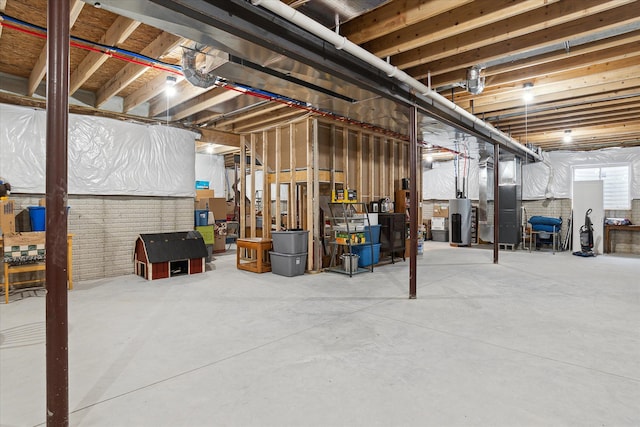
[
  {"x": 115, "y": 52},
  {"x": 142, "y": 60}
]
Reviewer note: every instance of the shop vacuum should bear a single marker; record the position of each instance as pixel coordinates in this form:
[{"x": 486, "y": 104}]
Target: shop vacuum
[{"x": 586, "y": 237}]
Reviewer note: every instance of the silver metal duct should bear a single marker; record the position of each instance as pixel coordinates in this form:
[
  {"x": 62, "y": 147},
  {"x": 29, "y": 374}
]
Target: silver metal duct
[
  {"x": 199, "y": 68},
  {"x": 475, "y": 82}
]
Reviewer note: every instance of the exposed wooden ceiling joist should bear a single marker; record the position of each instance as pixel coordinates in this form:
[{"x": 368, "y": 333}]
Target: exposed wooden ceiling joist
[
  {"x": 581, "y": 56},
  {"x": 116, "y": 34}
]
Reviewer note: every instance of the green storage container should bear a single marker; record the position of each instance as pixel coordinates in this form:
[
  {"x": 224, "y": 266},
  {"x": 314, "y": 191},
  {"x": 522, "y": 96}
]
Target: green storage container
[{"x": 208, "y": 233}]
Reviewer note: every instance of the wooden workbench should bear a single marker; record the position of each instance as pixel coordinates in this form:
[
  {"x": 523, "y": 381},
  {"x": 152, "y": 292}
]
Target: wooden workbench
[{"x": 607, "y": 234}]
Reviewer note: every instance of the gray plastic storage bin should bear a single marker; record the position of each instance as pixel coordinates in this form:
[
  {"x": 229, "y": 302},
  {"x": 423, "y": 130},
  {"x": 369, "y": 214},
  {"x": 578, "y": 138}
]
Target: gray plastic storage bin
[
  {"x": 440, "y": 235},
  {"x": 288, "y": 264},
  {"x": 290, "y": 242}
]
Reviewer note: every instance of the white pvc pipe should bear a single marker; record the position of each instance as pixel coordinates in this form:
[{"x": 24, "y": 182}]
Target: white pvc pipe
[{"x": 341, "y": 42}]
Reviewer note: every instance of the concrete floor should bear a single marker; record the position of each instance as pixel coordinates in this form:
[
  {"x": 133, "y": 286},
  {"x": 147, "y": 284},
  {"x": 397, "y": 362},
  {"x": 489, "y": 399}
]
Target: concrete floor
[{"x": 538, "y": 340}]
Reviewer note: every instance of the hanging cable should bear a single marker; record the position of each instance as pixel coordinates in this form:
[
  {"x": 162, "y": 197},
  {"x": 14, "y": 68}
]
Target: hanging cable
[{"x": 115, "y": 52}]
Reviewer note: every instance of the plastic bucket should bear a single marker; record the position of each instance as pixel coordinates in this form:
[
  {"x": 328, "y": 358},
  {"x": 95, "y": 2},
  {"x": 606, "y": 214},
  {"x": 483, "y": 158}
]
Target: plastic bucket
[{"x": 37, "y": 216}]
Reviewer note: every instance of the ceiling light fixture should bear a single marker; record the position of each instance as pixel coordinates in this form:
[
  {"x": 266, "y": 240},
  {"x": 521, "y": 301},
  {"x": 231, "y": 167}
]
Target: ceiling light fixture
[
  {"x": 567, "y": 136},
  {"x": 528, "y": 92},
  {"x": 170, "y": 84}
]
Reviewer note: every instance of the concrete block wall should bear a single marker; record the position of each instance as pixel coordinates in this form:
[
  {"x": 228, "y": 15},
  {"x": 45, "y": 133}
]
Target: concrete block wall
[
  {"x": 626, "y": 242},
  {"x": 555, "y": 208},
  {"x": 105, "y": 228}
]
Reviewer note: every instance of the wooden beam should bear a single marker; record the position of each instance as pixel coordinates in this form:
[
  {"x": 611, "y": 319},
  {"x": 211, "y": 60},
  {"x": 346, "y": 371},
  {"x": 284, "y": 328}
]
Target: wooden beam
[
  {"x": 454, "y": 55},
  {"x": 3, "y": 5},
  {"x": 222, "y": 120},
  {"x": 159, "y": 47},
  {"x": 292, "y": 202},
  {"x": 345, "y": 157},
  {"x": 583, "y": 101},
  {"x": 278, "y": 167},
  {"x": 372, "y": 179},
  {"x": 266, "y": 188},
  {"x": 469, "y": 17},
  {"x": 218, "y": 137},
  {"x": 570, "y": 89},
  {"x": 40, "y": 67},
  {"x": 630, "y": 129},
  {"x": 145, "y": 92},
  {"x": 269, "y": 120},
  {"x": 185, "y": 91},
  {"x": 550, "y": 115},
  {"x": 394, "y": 16},
  {"x": 595, "y": 74},
  {"x": 599, "y": 51},
  {"x": 209, "y": 99},
  {"x": 119, "y": 31}
]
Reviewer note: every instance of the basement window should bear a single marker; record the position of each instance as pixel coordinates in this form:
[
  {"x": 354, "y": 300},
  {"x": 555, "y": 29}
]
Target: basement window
[{"x": 615, "y": 183}]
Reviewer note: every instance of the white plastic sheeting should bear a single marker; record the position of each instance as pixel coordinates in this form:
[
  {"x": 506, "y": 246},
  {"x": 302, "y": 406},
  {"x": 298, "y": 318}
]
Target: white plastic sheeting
[
  {"x": 439, "y": 183},
  {"x": 536, "y": 176},
  {"x": 106, "y": 156},
  {"x": 210, "y": 167},
  {"x": 538, "y": 180}
]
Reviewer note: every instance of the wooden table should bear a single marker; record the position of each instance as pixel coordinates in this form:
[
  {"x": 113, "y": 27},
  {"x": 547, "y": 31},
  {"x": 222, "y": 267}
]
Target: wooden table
[
  {"x": 38, "y": 266},
  {"x": 252, "y": 254},
  {"x": 607, "y": 234}
]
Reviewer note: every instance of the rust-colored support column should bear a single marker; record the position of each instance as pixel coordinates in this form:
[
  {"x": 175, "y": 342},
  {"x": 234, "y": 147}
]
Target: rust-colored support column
[
  {"x": 496, "y": 202},
  {"x": 56, "y": 225},
  {"x": 413, "y": 200}
]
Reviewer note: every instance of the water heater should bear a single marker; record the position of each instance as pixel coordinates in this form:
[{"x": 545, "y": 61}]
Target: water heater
[{"x": 460, "y": 222}]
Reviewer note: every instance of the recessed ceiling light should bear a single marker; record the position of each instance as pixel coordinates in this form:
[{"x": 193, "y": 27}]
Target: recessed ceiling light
[{"x": 567, "y": 136}]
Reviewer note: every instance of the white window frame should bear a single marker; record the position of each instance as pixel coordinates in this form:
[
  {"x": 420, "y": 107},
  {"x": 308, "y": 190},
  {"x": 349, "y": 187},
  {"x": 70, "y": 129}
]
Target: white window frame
[{"x": 605, "y": 166}]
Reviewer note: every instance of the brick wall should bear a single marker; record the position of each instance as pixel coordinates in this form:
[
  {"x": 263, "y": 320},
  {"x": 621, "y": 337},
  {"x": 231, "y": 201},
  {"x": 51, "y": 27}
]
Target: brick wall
[{"x": 105, "y": 228}]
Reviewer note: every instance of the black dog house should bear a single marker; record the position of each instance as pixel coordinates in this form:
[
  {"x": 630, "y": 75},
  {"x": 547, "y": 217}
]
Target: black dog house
[{"x": 162, "y": 255}]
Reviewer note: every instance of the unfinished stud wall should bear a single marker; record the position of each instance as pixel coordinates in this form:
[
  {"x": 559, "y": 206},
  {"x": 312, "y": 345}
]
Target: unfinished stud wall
[
  {"x": 105, "y": 228},
  {"x": 346, "y": 157}
]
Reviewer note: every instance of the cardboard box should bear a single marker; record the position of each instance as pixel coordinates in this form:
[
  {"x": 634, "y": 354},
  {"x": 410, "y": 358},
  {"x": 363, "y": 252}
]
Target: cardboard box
[
  {"x": 218, "y": 206},
  {"x": 204, "y": 194},
  {"x": 7, "y": 217},
  {"x": 203, "y": 204},
  {"x": 441, "y": 211}
]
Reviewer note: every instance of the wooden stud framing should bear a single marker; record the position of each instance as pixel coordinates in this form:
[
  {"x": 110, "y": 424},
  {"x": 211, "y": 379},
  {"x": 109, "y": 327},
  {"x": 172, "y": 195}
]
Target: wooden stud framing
[
  {"x": 266, "y": 189},
  {"x": 243, "y": 185},
  {"x": 345, "y": 157},
  {"x": 278, "y": 156},
  {"x": 252, "y": 174},
  {"x": 372, "y": 180},
  {"x": 359, "y": 168},
  {"x": 384, "y": 164},
  {"x": 291, "y": 202},
  {"x": 311, "y": 185},
  {"x": 318, "y": 228}
]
